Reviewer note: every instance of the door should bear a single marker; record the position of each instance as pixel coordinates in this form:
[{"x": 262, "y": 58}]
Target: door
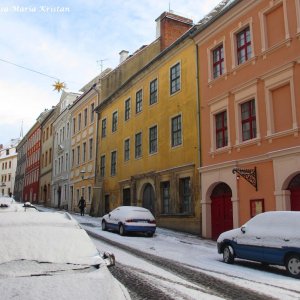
[
  {"x": 126, "y": 196},
  {"x": 149, "y": 198},
  {"x": 106, "y": 204},
  {"x": 221, "y": 210},
  {"x": 295, "y": 199}
]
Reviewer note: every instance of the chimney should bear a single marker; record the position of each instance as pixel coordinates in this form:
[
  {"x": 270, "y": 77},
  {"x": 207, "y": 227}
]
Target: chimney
[
  {"x": 170, "y": 27},
  {"x": 1, "y": 146},
  {"x": 123, "y": 55}
]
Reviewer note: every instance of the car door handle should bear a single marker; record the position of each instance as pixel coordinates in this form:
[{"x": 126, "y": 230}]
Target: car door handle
[
  {"x": 258, "y": 237},
  {"x": 286, "y": 240}
]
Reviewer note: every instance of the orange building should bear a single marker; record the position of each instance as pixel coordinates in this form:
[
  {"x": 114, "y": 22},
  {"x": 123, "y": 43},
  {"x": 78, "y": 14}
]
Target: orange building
[{"x": 249, "y": 70}]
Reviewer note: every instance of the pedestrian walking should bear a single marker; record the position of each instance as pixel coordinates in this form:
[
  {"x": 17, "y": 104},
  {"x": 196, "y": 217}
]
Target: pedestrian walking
[{"x": 81, "y": 205}]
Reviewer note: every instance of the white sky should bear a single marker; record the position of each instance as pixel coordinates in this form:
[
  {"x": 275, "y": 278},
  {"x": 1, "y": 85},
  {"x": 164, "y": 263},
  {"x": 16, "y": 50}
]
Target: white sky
[{"x": 67, "y": 45}]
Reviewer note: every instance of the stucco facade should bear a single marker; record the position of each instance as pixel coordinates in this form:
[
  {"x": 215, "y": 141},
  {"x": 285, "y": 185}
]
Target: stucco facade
[
  {"x": 148, "y": 150},
  {"x": 250, "y": 112},
  {"x": 60, "y": 183},
  {"x": 8, "y": 166},
  {"x": 83, "y": 148},
  {"x": 46, "y": 158}
]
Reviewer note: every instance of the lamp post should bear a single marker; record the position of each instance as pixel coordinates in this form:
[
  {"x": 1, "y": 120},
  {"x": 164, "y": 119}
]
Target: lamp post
[{"x": 82, "y": 172}]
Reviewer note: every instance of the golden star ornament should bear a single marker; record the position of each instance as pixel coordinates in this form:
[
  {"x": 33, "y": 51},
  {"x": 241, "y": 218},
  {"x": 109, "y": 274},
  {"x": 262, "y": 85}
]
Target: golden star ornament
[{"x": 58, "y": 86}]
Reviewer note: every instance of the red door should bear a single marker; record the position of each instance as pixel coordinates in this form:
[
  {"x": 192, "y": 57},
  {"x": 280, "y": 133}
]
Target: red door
[
  {"x": 221, "y": 215},
  {"x": 295, "y": 199}
]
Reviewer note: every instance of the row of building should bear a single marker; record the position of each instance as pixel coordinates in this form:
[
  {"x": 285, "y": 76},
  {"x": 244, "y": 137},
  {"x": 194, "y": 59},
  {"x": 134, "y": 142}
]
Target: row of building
[{"x": 201, "y": 126}]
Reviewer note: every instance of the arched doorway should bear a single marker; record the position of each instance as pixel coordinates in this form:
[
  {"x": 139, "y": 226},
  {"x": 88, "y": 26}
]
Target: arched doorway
[
  {"x": 149, "y": 198},
  {"x": 294, "y": 188},
  {"x": 221, "y": 210}
]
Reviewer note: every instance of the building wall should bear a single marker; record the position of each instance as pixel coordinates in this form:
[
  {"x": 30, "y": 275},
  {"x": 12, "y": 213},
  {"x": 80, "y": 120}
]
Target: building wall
[
  {"x": 32, "y": 169},
  {"x": 82, "y": 164},
  {"x": 20, "y": 170},
  {"x": 8, "y": 165},
  {"x": 46, "y": 159},
  {"x": 269, "y": 77},
  {"x": 169, "y": 164}
]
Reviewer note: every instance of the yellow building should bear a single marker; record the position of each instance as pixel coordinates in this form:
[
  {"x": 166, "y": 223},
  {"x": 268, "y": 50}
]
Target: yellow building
[
  {"x": 83, "y": 137},
  {"x": 148, "y": 151}
]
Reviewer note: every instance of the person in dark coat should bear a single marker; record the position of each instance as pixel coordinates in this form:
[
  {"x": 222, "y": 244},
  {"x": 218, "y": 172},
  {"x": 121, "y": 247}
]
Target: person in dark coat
[{"x": 81, "y": 205}]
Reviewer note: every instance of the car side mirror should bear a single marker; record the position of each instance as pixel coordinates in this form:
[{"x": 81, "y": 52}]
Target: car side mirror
[
  {"x": 109, "y": 259},
  {"x": 109, "y": 215},
  {"x": 243, "y": 229}
]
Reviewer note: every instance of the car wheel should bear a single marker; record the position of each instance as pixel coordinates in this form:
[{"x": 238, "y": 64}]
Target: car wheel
[
  {"x": 104, "y": 227},
  {"x": 228, "y": 256},
  {"x": 293, "y": 265},
  {"x": 150, "y": 234},
  {"x": 122, "y": 230}
]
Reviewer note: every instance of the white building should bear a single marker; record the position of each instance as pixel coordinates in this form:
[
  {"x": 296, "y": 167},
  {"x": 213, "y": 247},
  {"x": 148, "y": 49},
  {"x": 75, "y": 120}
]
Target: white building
[{"x": 8, "y": 166}]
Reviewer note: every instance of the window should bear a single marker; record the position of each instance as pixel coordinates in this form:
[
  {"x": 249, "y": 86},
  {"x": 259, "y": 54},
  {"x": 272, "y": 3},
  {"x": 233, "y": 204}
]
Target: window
[
  {"x": 92, "y": 112},
  {"x": 102, "y": 166},
  {"x": 90, "y": 148},
  {"x": 185, "y": 195},
  {"x": 139, "y": 101},
  {"x": 221, "y": 130},
  {"x": 138, "y": 145},
  {"x": 103, "y": 128},
  {"x": 79, "y": 122},
  {"x": 244, "y": 50},
  {"x": 85, "y": 115},
  {"x": 153, "y": 91},
  {"x": 74, "y": 125},
  {"x": 68, "y": 130},
  {"x": 176, "y": 131},
  {"x": 67, "y": 161},
  {"x": 175, "y": 79},
  {"x": 127, "y": 109},
  {"x": 83, "y": 152},
  {"x": 113, "y": 163},
  {"x": 165, "y": 196},
  {"x": 78, "y": 155},
  {"x": 153, "y": 139},
  {"x": 89, "y": 194},
  {"x": 248, "y": 117},
  {"x": 218, "y": 61},
  {"x": 47, "y": 133},
  {"x": 50, "y": 155},
  {"x": 126, "y": 150},
  {"x": 73, "y": 157},
  {"x": 114, "y": 121}
]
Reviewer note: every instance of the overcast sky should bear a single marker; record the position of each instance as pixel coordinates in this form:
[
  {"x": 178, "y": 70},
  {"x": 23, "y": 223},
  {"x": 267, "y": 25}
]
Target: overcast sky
[{"x": 67, "y": 39}]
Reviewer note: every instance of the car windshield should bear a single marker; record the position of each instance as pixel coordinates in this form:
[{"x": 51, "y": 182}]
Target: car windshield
[{"x": 45, "y": 237}]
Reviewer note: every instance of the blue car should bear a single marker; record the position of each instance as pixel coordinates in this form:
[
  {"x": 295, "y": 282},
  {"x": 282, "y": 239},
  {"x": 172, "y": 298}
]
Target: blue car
[
  {"x": 271, "y": 238},
  {"x": 126, "y": 219}
]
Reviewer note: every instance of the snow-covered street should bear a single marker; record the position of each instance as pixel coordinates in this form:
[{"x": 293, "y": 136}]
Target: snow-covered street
[{"x": 199, "y": 255}]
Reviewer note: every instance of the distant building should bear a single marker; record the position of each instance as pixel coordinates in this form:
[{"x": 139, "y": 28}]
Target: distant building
[
  {"x": 8, "y": 166},
  {"x": 20, "y": 171},
  {"x": 46, "y": 158},
  {"x": 60, "y": 183}
]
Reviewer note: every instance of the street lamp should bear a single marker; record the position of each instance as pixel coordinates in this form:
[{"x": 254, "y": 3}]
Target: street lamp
[{"x": 82, "y": 172}]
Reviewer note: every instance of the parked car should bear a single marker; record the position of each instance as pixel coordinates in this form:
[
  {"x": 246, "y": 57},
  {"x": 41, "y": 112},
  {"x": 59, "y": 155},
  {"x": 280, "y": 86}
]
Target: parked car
[
  {"x": 8, "y": 204},
  {"x": 47, "y": 255},
  {"x": 270, "y": 237},
  {"x": 126, "y": 219}
]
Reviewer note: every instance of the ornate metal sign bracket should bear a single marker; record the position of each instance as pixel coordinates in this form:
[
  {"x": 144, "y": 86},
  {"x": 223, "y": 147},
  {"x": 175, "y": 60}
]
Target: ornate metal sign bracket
[{"x": 249, "y": 174}]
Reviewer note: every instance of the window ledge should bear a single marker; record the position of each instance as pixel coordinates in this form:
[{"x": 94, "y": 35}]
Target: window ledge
[
  {"x": 212, "y": 81},
  {"x": 266, "y": 52},
  {"x": 222, "y": 150},
  {"x": 236, "y": 68},
  {"x": 294, "y": 131},
  {"x": 247, "y": 143}
]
